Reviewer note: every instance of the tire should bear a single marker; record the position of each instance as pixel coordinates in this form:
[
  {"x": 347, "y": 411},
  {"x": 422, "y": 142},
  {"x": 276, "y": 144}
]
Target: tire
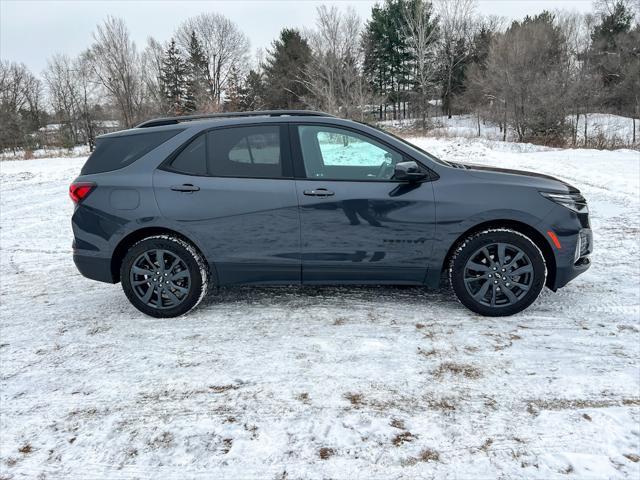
[
  {"x": 164, "y": 276},
  {"x": 497, "y": 272}
]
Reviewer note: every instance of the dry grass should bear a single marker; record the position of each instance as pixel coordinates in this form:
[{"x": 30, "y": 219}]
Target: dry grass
[
  {"x": 227, "y": 443},
  {"x": 402, "y": 438},
  {"x": 426, "y": 353},
  {"x": 222, "y": 388},
  {"x": 485, "y": 446},
  {"x": 326, "y": 452},
  {"x": 565, "y": 404},
  {"x": 396, "y": 423},
  {"x": 356, "y": 399},
  {"x": 632, "y": 456},
  {"x": 464, "y": 369},
  {"x": 442, "y": 404},
  {"x": 429, "y": 455},
  {"x": 26, "y": 449},
  {"x": 304, "y": 397}
]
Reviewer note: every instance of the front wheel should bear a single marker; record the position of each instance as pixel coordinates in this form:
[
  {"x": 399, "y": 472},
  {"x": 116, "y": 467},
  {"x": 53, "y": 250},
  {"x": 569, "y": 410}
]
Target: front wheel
[
  {"x": 164, "y": 276},
  {"x": 497, "y": 272}
]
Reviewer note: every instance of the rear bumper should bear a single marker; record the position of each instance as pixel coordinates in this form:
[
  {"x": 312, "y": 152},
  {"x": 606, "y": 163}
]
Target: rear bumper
[{"x": 95, "y": 268}]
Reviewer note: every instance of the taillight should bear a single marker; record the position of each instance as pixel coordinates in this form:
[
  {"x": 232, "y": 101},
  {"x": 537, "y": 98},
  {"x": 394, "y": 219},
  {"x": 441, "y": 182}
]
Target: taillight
[{"x": 78, "y": 191}]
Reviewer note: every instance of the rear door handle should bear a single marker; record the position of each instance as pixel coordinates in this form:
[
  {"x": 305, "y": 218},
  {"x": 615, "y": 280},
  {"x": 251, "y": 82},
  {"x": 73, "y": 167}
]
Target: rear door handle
[
  {"x": 319, "y": 192},
  {"x": 187, "y": 187}
]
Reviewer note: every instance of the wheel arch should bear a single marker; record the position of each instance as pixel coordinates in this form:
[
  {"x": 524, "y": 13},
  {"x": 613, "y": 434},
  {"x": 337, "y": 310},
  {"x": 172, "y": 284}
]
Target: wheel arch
[
  {"x": 133, "y": 237},
  {"x": 520, "y": 227}
]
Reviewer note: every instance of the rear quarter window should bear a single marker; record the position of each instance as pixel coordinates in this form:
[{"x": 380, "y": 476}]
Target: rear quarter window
[{"x": 113, "y": 153}]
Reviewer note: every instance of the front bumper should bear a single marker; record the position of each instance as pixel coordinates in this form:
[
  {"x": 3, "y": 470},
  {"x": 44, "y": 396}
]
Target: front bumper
[{"x": 574, "y": 260}]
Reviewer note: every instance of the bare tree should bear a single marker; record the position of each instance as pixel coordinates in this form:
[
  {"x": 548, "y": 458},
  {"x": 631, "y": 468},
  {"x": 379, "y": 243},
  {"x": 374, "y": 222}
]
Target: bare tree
[
  {"x": 20, "y": 105},
  {"x": 421, "y": 30},
  {"x": 334, "y": 74},
  {"x": 225, "y": 48},
  {"x": 64, "y": 96},
  {"x": 525, "y": 79},
  {"x": 117, "y": 67},
  {"x": 456, "y": 31},
  {"x": 151, "y": 59}
]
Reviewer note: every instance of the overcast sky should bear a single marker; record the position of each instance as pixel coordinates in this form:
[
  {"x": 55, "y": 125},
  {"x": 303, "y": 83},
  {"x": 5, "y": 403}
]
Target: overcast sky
[{"x": 33, "y": 30}]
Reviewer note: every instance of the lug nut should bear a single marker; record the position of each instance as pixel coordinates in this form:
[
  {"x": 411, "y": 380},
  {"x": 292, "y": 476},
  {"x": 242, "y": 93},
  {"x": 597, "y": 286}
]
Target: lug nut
[
  {"x": 490, "y": 275},
  {"x": 495, "y": 281}
]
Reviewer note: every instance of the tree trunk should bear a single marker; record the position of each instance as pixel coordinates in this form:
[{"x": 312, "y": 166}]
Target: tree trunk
[
  {"x": 478, "y": 118},
  {"x": 504, "y": 131},
  {"x": 585, "y": 128}
]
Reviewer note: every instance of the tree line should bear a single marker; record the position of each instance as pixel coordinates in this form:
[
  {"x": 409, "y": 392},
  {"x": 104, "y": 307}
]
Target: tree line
[{"x": 535, "y": 77}]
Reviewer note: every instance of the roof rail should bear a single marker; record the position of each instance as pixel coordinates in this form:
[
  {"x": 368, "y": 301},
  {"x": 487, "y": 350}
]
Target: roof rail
[{"x": 265, "y": 113}]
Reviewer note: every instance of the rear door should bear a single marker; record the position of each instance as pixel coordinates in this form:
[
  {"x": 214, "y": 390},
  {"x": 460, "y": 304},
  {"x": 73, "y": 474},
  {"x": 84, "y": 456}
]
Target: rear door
[
  {"x": 358, "y": 224},
  {"x": 232, "y": 189}
]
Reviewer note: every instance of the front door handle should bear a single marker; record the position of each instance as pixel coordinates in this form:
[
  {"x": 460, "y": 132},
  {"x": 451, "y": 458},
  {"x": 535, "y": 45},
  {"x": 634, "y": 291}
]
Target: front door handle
[
  {"x": 187, "y": 187},
  {"x": 319, "y": 192}
]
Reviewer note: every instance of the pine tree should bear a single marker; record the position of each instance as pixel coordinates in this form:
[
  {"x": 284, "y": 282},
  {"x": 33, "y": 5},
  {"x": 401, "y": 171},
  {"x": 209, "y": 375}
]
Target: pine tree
[
  {"x": 252, "y": 93},
  {"x": 388, "y": 61},
  {"x": 283, "y": 68},
  {"x": 196, "y": 65},
  {"x": 173, "y": 79},
  {"x": 233, "y": 92}
]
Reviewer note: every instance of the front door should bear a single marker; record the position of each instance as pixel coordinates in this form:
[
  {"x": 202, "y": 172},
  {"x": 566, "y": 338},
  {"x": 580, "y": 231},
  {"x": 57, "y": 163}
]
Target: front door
[
  {"x": 359, "y": 225},
  {"x": 232, "y": 189}
]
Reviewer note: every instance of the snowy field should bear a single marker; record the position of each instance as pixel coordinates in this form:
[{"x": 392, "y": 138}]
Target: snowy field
[
  {"x": 342, "y": 383},
  {"x": 602, "y": 128}
]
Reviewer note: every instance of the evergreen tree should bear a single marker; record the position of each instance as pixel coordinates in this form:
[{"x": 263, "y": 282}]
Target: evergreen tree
[
  {"x": 252, "y": 93},
  {"x": 232, "y": 101},
  {"x": 173, "y": 79},
  {"x": 388, "y": 61},
  {"x": 286, "y": 61},
  {"x": 196, "y": 64}
]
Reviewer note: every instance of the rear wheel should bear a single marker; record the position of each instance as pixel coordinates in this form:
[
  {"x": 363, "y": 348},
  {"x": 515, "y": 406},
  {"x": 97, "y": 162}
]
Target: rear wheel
[
  {"x": 497, "y": 272},
  {"x": 164, "y": 276}
]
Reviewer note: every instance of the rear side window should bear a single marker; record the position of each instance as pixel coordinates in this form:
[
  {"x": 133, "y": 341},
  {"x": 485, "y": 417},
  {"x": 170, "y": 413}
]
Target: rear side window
[
  {"x": 245, "y": 152},
  {"x": 113, "y": 153},
  {"x": 192, "y": 160}
]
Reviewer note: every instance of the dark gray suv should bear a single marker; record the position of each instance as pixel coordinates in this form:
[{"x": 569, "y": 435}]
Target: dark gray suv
[{"x": 176, "y": 205}]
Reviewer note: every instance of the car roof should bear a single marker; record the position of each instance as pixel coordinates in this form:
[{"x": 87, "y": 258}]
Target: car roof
[{"x": 203, "y": 122}]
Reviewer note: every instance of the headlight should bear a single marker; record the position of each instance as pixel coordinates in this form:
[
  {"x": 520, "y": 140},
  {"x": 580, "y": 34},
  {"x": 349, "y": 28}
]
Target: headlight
[{"x": 573, "y": 201}]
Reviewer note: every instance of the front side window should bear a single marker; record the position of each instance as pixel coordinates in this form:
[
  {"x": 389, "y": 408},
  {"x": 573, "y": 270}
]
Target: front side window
[
  {"x": 338, "y": 154},
  {"x": 245, "y": 152}
]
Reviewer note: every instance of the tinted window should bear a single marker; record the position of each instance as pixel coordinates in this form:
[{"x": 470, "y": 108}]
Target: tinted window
[
  {"x": 338, "y": 154},
  {"x": 245, "y": 152},
  {"x": 192, "y": 159},
  {"x": 112, "y": 153}
]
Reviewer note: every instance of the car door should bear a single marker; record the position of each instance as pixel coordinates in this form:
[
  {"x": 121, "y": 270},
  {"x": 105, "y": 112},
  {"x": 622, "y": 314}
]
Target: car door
[
  {"x": 358, "y": 224},
  {"x": 232, "y": 189}
]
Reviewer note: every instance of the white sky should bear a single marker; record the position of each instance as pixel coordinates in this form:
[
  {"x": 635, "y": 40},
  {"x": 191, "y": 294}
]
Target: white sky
[{"x": 33, "y": 30}]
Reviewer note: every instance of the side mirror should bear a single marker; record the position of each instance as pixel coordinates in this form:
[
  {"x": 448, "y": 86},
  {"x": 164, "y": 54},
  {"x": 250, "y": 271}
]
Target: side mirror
[{"x": 409, "y": 172}]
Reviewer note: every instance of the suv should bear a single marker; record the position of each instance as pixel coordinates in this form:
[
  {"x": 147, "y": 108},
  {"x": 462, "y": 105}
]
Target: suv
[{"x": 177, "y": 205}]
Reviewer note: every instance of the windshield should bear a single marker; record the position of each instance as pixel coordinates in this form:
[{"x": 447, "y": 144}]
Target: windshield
[{"x": 430, "y": 156}]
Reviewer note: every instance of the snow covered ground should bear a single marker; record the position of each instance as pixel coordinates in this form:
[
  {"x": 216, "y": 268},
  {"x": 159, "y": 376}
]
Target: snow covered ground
[
  {"x": 603, "y": 129},
  {"x": 353, "y": 383}
]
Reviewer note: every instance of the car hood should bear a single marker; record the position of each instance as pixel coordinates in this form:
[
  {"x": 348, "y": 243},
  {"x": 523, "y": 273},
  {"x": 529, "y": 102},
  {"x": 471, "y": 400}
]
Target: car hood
[{"x": 538, "y": 179}]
